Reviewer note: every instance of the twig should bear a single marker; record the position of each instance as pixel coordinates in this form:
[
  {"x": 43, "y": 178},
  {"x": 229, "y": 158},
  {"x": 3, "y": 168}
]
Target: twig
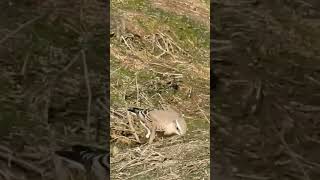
[
  {"x": 252, "y": 177},
  {"x": 75, "y": 58},
  {"x": 304, "y": 108},
  {"x": 224, "y": 48},
  {"x": 164, "y": 49},
  {"x": 23, "y": 164},
  {"x": 164, "y": 65},
  {"x": 204, "y": 115},
  {"x": 4, "y": 175},
  {"x": 142, "y": 172},
  {"x": 86, "y": 76},
  {"x": 221, "y": 41},
  {"x": 127, "y": 164},
  {"x": 172, "y": 41},
  {"x": 294, "y": 156},
  {"x": 66, "y": 68},
  {"x": 116, "y": 113},
  {"x": 25, "y": 62},
  {"x": 291, "y": 153},
  {"x": 3, "y": 148},
  {"x": 19, "y": 29},
  {"x": 313, "y": 80},
  {"x": 163, "y": 53},
  {"x": 126, "y": 43},
  {"x": 146, "y": 98},
  {"x": 137, "y": 87},
  {"x": 163, "y": 102},
  {"x": 131, "y": 127},
  {"x": 103, "y": 105},
  {"x": 166, "y": 73}
]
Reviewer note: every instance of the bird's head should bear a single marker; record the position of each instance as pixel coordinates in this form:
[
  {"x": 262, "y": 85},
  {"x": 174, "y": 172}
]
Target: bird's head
[{"x": 178, "y": 127}]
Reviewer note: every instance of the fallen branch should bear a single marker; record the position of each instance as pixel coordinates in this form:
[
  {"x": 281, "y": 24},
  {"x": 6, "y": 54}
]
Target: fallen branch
[{"x": 21, "y": 163}]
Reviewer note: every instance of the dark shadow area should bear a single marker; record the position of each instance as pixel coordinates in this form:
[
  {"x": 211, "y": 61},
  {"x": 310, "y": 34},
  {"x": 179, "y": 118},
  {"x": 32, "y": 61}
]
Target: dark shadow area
[
  {"x": 267, "y": 103},
  {"x": 54, "y": 85}
]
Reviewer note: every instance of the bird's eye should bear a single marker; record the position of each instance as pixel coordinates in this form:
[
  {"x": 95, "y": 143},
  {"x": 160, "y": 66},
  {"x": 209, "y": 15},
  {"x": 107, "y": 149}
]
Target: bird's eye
[{"x": 177, "y": 126}]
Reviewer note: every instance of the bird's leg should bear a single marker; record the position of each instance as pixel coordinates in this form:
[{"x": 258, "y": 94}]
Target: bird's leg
[
  {"x": 153, "y": 133},
  {"x": 148, "y": 134},
  {"x": 148, "y": 130}
]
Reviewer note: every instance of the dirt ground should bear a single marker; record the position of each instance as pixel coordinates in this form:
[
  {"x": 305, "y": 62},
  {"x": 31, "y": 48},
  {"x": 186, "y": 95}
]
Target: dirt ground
[{"x": 266, "y": 114}]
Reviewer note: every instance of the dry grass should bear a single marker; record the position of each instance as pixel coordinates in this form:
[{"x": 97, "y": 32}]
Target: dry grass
[
  {"x": 197, "y": 10},
  {"x": 165, "y": 159},
  {"x": 154, "y": 63}
]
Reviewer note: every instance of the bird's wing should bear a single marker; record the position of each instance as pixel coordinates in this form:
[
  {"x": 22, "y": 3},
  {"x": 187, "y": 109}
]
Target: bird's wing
[{"x": 82, "y": 154}]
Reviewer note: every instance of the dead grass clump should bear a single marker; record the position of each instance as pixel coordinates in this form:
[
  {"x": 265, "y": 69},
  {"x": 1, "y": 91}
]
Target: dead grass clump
[
  {"x": 123, "y": 129},
  {"x": 198, "y": 10},
  {"x": 127, "y": 23},
  {"x": 173, "y": 159},
  {"x": 158, "y": 60}
]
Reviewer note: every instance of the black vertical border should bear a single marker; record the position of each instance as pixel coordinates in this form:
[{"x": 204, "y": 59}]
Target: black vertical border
[
  {"x": 107, "y": 83},
  {"x": 212, "y": 84}
]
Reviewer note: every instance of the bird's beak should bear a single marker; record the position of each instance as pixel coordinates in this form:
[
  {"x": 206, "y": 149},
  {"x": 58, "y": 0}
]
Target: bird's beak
[{"x": 178, "y": 132}]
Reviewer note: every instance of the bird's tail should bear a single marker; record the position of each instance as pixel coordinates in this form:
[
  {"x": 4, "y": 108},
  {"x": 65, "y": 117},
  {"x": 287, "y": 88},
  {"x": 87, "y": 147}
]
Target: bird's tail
[
  {"x": 136, "y": 110},
  {"x": 141, "y": 113},
  {"x": 94, "y": 161},
  {"x": 80, "y": 153}
]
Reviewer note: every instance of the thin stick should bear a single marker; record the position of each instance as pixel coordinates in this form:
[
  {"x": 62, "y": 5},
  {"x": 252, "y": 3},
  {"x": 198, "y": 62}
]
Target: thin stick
[
  {"x": 313, "y": 80},
  {"x": 75, "y": 58},
  {"x": 137, "y": 87},
  {"x": 4, "y": 175},
  {"x": 89, "y": 92},
  {"x": 21, "y": 163},
  {"x": 203, "y": 113},
  {"x": 125, "y": 42},
  {"x": 146, "y": 98},
  {"x": 291, "y": 153},
  {"x": 163, "y": 102},
  {"x": 25, "y": 63},
  {"x": 19, "y": 29},
  {"x": 247, "y": 176},
  {"x": 132, "y": 128},
  {"x": 167, "y": 73},
  {"x": 142, "y": 172},
  {"x": 165, "y": 66},
  {"x": 66, "y": 68}
]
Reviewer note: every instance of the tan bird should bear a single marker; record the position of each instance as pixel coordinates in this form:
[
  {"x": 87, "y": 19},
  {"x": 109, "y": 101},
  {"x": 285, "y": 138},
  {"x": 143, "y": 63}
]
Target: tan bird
[{"x": 168, "y": 120}]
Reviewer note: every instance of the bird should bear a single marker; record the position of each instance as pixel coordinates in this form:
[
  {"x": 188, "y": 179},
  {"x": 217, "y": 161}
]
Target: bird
[
  {"x": 168, "y": 120},
  {"x": 95, "y": 161}
]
